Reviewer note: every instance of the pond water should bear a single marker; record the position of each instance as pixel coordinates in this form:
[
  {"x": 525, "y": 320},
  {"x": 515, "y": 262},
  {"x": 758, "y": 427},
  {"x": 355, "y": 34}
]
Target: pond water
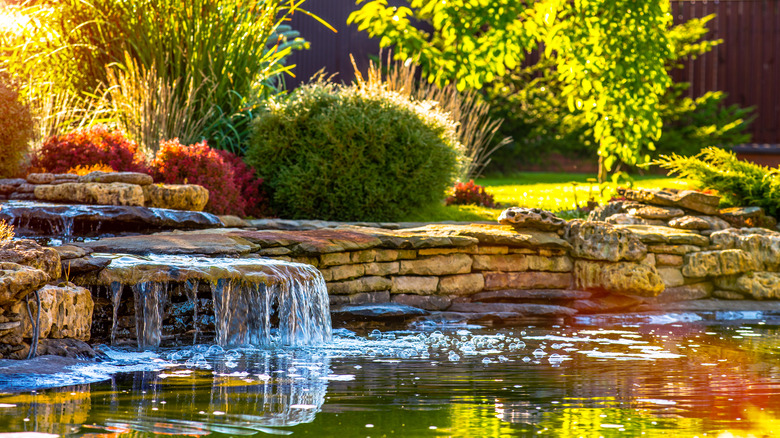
[{"x": 705, "y": 374}]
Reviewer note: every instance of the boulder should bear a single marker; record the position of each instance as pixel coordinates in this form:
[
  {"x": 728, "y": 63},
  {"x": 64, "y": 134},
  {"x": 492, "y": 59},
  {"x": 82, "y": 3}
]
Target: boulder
[
  {"x": 690, "y": 223},
  {"x": 628, "y": 219},
  {"x": 16, "y": 281},
  {"x": 30, "y": 253},
  {"x": 66, "y": 312},
  {"x": 601, "y": 241},
  {"x": 717, "y": 263},
  {"x": 656, "y": 212},
  {"x": 176, "y": 196},
  {"x": 747, "y": 217},
  {"x": 40, "y": 178},
  {"x": 618, "y": 278},
  {"x": 763, "y": 245},
  {"x": 535, "y": 218},
  {"x": 760, "y": 285},
  {"x": 686, "y": 199},
  {"x": 92, "y": 193},
  {"x": 136, "y": 178}
]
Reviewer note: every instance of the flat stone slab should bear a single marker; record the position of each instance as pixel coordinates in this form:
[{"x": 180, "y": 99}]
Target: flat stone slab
[
  {"x": 516, "y": 308},
  {"x": 512, "y": 295},
  {"x": 44, "y": 219},
  {"x": 713, "y": 305},
  {"x": 380, "y": 311},
  {"x": 210, "y": 244},
  {"x": 317, "y": 241},
  {"x": 503, "y": 235},
  {"x": 651, "y": 234}
]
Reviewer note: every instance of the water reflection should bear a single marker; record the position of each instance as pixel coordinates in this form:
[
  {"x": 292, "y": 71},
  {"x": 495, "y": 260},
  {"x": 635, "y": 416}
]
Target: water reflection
[{"x": 689, "y": 378}]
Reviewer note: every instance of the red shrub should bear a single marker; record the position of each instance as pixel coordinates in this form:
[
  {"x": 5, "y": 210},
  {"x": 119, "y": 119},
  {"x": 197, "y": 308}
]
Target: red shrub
[
  {"x": 233, "y": 188},
  {"x": 470, "y": 193},
  {"x": 89, "y": 147},
  {"x": 255, "y": 198}
]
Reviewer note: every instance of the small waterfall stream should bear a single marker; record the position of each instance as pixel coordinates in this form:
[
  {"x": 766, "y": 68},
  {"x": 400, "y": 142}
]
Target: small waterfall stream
[{"x": 250, "y": 296}]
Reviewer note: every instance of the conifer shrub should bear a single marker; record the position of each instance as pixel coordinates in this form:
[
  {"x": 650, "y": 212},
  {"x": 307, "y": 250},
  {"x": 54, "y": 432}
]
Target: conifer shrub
[
  {"x": 738, "y": 182},
  {"x": 16, "y": 129},
  {"x": 353, "y": 153},
  {"x": 232, "y": 187},
  {"x": 94, "y": 146}
]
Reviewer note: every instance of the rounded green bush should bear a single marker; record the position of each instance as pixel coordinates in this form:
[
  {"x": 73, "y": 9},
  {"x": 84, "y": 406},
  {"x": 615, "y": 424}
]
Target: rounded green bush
[{"x": 353, "y": 153}]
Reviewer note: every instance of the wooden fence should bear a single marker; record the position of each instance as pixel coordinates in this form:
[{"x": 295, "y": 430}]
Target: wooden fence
[{"x": 746, "y": 65}]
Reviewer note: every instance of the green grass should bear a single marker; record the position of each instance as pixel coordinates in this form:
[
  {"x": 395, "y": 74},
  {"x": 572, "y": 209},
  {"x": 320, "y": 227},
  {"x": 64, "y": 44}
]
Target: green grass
[{"x": 560, "y": 193}]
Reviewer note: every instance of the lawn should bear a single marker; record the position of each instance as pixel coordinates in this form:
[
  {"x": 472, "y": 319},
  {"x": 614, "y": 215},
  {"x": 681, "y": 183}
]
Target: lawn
[{"x": 561, "y": 193}]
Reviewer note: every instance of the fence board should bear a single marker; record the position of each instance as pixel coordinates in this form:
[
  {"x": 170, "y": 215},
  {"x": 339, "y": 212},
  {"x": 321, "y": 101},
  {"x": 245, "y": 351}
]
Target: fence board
[{"x": 744, "y": 66}]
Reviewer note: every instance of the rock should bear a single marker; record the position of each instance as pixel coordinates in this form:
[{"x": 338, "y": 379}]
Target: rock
[
  {"x": 716, "y": 223},
  {"x": 763, "y": 245},
  {"x": 360, "y": 298},
  {"x": 40, "y": 178},
  {"x": 656, "y": 212},
  {"x": 70, "y": 348},
  {"x": 649, "y": 234},
  {"x": 231, "y": 221},
  {"x": 25, "y": 188},
  {"x": 92, "y": 193},
  {"x": 602, "y": 212},
  {"x": 466, "y": 284},
  {"x": 671, "y": 276},
  {"x": 601, "y": 241},
  {"x": 490, "y": 235},
  {"x": 516, "y": 308},
  {"x": 672, "y": 250},
  {"x": 425, "y": 302},
  {"x": 136, "y": 178},
  {"x": 71, "y": 252},
  {"x": 689, "y": 223},
  {"x": 760, "y": 285},
  {"x": 607, "y": 303},
  {"x": 504, "y": 263},
  {"x": 727, "y": 282},
  {"x": 20, "y": 196},
  {"x": 30, "y": 253},
  {"x": 728, "y": 295},
  {"x": 717, "y": 263},
  {"x": 83, "y": 265},
  {"x": 176, "y": 196},
  {"x": 747, "y": 217},
  {"x": 627, "y": 219},
  {"x": 687, "y": 199},
  {"x": 383, "y": 269},
  {"x": 437, "y": 265},
  {"x": 42, "y": 219},
  {"x": 515, "y": 295},
  {"x": 343, "y": 272},
  {"x": 16, "y": 281},
  {"x": 618, "y": 278},
  {"x": 686, "y": 292},
  {"x": 363, "y": 284},
  {"x": 315, "y": 242},
  {"x": 527, "y": 280},
  {"x": 193, "y": 243},
  {"x": 534, "y": 218},
  {"x": 372, "y": 312},
  {"x": 414, "y": 285},
  {"x": 66, "y": 312}
]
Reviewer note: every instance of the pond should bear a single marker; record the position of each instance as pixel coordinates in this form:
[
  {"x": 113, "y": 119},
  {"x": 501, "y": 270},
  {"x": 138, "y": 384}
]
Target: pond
[{"x": 686, "y": 374}]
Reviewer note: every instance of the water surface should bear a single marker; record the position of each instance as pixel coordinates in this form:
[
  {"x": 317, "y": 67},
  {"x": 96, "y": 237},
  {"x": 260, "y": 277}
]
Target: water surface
[{"x": 707, "y": 374}]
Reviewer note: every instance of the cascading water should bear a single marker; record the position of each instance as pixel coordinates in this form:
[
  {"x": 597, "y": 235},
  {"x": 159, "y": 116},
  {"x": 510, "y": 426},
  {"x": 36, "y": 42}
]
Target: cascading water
[{"x": 249, "y": 295}]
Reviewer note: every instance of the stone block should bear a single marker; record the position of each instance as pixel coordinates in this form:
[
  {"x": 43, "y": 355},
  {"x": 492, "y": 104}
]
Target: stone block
[
  {"x": 668, "y": 260},
  {"x": 363, "y": 284},
  {"x": 426, "y": 302},
  {"x": 176, "y": 196},
  {"x": 601, "y": 241},
  {"x": 671, "y": 276},
  {"x": 40, "y": 178},
  {"x": 343, "y": 272},
  {"x": 66, "y": 312},
  {"x": 550, "y": 264},
  {"x": 717, "y": 263},
  {"x": 437, "y": 265},
  {"x": 492, "y": 250},
  {"x": 678, "y": 250},
  {"x": 364, "y": 256},
  {"x": 527, "y": 280},
  {"x": 442, "y": 251},
  {"x": 760, "y": 285},
  {"x": 504, "y": 263},
  {"x": 466, "y": 284},
  {"x": 688, "y": 292},
  {"x": 136, "y": 178},
  {"x": 414, "y": 285},
  {"x": 16, "y": 281},
  {"x": 618, "y": 278},
  {"x": 92, "y": 193},
  {"x": 649, "y": 260},
  {"x": 383, "y": 269},
  {"x": 335, "y": 258},
  {"x": 728, "y": 295}
]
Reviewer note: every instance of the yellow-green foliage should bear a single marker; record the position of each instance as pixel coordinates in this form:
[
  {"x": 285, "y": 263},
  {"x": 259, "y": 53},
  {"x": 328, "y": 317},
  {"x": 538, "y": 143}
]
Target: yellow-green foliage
[
  {"x": 16, "y": 129},
  {"x": 353, "y": 153},
  {"x": 6, "y": 231}
]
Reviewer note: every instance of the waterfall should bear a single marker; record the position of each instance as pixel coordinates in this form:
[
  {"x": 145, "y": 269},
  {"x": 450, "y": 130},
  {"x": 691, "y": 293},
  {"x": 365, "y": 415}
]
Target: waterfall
[{"x": 249, "y": 297}]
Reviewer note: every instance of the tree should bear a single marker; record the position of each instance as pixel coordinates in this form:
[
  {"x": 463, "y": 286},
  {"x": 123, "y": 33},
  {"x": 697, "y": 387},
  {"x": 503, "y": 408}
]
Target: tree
[{"x": 609, "y": 55}]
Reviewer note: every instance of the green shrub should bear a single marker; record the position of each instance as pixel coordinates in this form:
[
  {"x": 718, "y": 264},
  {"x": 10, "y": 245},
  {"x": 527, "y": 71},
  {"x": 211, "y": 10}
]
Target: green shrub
[
  {"x": 353, "y": 153},
  {"x": 16, "y": 129},
  {"x": 739, "y": 183}
]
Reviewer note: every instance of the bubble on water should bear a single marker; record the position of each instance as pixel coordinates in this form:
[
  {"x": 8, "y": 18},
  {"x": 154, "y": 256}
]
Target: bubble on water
[
  {"x": 375, "y": 334},
  {"x": 453, "y": 356},
  {"x": 556, "y": 359},
  {"x": 539, "y": 353},
  {"x": 487, "y": 361},
  {"x": 526, "y": 359},
  {"x": 463, "y": 332},
  {"x": 215, "y": 350}
]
